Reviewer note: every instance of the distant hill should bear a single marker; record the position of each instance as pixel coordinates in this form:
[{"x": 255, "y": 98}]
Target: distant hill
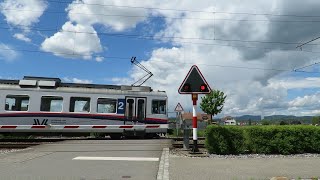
[
  {"x": 274, "y": 117},
  {"x": 247, "y": 117}
]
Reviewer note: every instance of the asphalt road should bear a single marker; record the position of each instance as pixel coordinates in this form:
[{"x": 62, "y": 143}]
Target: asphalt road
[
  {"x": 183, "y": 168},
  {"x": 123, "y": 159}
]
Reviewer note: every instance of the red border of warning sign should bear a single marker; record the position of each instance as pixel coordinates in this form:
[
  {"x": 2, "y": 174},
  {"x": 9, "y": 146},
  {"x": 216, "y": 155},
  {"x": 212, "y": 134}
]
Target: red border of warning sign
[
  {"x": 177, "y": 110},
  {"x": 187, "y": 76}
]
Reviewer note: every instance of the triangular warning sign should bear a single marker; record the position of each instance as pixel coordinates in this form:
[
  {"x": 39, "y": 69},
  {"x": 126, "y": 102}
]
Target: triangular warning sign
[
  {"x": 178, "y": 108},
  {"x": 194, "y": 83}
]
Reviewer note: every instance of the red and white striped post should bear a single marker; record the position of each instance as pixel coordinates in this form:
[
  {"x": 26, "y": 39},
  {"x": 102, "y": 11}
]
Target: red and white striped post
[{"x": 195, "y": 123}]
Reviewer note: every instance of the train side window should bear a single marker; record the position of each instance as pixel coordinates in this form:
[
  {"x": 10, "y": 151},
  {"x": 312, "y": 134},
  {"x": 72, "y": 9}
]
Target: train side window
[
  {"x": 51, "y": 103},
  {"x": 158, "y": 107},
  {"x": 79, "y": 104},
  {"x": 105, "y": 105},
  {"x": 17, "y": 103}
]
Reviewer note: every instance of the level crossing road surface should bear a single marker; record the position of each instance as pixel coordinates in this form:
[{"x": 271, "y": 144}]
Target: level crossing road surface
[{"x": 86, "y": 160}]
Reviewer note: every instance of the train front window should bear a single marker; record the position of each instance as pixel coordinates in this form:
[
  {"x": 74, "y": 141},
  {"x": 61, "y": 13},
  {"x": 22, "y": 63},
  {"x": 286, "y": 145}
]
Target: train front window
[
  {"x": 158, "y": 107},
  {"x": 51, "y": 103},
  {"x": 106, "y": 105},
  {"x": 17, "y": 103},
  {"x": 79, "y": 104}
]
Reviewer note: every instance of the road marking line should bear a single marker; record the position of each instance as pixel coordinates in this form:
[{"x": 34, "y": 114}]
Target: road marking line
[
  {"x": 115, "y": 158},
  {"x": 163, "y": 172}
]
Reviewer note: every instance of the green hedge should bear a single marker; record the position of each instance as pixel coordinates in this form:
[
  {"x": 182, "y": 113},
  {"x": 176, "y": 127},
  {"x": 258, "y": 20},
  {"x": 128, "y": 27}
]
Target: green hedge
[
  {"x": 263, "y": 139},
  {"x": 225, "y": 140}
]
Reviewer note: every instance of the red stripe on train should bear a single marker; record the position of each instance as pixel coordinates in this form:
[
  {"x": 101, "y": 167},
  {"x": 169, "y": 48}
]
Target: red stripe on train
[
  {"x": 152, "y": 126},
  {"x": 71, "y": 127},
  {"x": 126, "y": 126},
  {"x": 99, "y": 126},
  {"x": 9, "y": 127}
]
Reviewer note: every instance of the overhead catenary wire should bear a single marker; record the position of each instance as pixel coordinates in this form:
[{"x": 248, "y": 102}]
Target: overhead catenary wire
[
  {"x": 303, "y": 44},
  {"x": 216, "y": 39},
  {"x": 303, "y": 67},
  {"x": 152, "y": 37},
  {"x": 144, "y": 37},
  {"x": 191, "y": 38},
  {"x": 173, "y": 62},
  {"x": 185, "y": 10},
  {"x": 168, "y": 17}
]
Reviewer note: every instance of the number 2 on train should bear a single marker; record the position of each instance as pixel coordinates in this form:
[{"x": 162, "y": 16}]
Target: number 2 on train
[{"x": 121, "y": 106}]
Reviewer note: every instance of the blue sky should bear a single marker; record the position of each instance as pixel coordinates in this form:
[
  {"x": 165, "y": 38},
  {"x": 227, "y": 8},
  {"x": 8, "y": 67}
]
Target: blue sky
[
  {"x": 31, "y": 60},
  {"x": 240, "y": 46}
]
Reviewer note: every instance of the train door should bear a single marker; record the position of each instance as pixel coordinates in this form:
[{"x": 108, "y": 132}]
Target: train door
[
  {"x": 135, "y": 110},
  {"x": 141, "y": 109},
  {"x": 130, "y": 109}
]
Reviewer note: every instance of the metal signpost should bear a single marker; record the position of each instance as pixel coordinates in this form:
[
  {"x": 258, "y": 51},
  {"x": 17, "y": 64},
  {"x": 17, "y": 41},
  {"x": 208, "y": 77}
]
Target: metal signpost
[
  {"x": 194, "y": 84},
  {"x": 178, "y": 110}
]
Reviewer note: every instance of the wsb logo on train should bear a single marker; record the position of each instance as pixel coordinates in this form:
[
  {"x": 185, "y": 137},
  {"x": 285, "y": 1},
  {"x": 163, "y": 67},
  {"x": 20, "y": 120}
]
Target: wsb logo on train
[{"x": 37, "y": 122}]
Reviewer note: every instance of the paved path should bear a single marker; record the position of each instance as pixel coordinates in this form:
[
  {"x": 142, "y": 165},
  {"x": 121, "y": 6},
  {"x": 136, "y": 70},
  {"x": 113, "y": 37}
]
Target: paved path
[
  {"x": 184, "y": 168},
  {"x": 123, "y": 159}
]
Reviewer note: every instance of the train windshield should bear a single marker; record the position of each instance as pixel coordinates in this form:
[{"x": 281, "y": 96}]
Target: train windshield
[{"x": 159, "y": 106}]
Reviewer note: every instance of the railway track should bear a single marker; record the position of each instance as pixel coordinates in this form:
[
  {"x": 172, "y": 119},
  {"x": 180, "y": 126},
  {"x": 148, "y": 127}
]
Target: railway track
[
  {"x": 29, "y": 140},
  {"x": 178, "y": 145},
  {"x": 24, "y": 143},
  {"x": 181, "y": 138},
  {"x": 178, "y": 142},
  {"x": 17, "y": 145},
  {"x": 21, "y": 143}
]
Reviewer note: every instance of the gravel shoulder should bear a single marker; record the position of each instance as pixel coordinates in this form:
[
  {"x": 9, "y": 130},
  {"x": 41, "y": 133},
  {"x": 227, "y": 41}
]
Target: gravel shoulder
[
  {"x": 251, "y": 166},
  {"x": 186, "y": 153}
]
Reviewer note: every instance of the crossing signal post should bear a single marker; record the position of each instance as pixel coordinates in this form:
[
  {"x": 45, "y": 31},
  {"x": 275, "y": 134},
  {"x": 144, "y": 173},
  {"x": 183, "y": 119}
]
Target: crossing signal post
[{"x": 194, "y": 84}]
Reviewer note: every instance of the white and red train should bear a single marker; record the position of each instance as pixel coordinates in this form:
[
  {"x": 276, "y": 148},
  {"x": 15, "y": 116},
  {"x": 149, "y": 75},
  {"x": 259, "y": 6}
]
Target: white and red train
[{"x": 47, "y": 105}]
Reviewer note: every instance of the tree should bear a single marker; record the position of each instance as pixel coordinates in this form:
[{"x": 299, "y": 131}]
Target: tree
[
  {"x": 315, "y": 120},
  {"x": 265, "y": 122},
  {"x": 283, "y": 123},
  {"x": 296, "y": 122},
  {"x": 213, "y": 103}
]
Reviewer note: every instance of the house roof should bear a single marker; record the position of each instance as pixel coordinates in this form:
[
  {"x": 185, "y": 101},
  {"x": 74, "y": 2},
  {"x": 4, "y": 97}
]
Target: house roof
[
  {"x": 227, "y": 118},
  {"x": 200, "y": 116}
]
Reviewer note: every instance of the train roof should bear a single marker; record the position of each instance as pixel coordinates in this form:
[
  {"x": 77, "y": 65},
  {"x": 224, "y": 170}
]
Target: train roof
[{"x": 54, "y": 83}]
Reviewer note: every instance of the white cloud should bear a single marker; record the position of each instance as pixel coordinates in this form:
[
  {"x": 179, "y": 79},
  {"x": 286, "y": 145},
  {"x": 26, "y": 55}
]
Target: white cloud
[
  {"x": 99, "y": 59},
  {"x": 77, "y": 80},
  {"x": 308, "y": 101},
  {"x": 22, "y": 37},
  {"x": 250, "y": 91},
  {"x": 80, "y": 12},
  {"x": 23, "y": 14},
  {"x": 82, "y": 17},
  {"x": 7, "y": 53},
  {"x": 71, "y": 42},
  {"x": 296, "y": 83}
]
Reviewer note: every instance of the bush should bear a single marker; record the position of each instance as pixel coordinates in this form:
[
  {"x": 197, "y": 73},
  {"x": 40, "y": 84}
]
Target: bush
[
  {"x": 284, "y": 139},
  {"x": 201, "y": 133},
  {"x": 225, "y": 140}
]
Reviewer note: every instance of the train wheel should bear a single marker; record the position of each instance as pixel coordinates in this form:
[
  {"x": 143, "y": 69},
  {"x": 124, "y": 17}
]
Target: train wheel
[
  {"x": 115, "y": 136},
  {"x": 152, "y": 136}
]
